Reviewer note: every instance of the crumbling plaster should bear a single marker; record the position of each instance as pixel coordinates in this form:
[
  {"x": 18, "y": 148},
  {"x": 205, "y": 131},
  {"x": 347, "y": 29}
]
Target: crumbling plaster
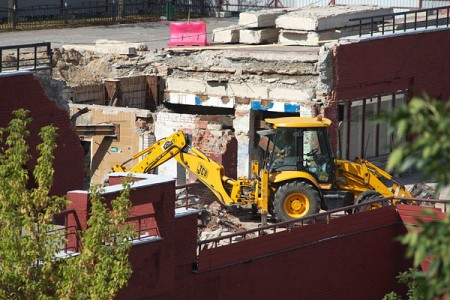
[{"x": 280, "y": 79}]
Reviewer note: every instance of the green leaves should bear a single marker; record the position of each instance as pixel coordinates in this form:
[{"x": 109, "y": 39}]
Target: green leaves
[
  {"x": 103, "y": 264},
  {"x": 423, "y": 128},
  {"x": 29, "y": 243},
  {"x": 423, "y": 131}
]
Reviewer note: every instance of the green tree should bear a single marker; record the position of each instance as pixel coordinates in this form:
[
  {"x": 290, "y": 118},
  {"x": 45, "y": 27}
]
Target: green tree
[
  {"x": 423, "y": 127},
  {"x": 29, "y": 264}
]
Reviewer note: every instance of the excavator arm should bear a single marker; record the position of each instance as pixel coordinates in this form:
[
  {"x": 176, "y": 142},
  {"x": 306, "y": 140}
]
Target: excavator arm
[{"x": 209, "y": 172}]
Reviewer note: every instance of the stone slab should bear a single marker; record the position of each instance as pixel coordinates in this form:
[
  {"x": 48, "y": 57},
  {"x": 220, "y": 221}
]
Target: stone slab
[
  {"x": 315, "y": 37},
  {"x": 226, "y": 35},
  {"x": 258, "y": 36},
  {"x": 330, "y": 17},
  {"x": 260, "y": 18}
]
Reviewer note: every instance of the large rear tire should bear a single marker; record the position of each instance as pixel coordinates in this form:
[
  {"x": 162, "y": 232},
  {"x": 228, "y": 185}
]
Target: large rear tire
[{"x": 295, "y": 200}]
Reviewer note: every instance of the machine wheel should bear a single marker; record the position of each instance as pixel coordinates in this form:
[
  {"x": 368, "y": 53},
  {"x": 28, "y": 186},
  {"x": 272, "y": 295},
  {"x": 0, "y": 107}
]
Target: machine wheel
[
  {"x": 366, "y": 197},
  {"x": 295, "y": 200}
]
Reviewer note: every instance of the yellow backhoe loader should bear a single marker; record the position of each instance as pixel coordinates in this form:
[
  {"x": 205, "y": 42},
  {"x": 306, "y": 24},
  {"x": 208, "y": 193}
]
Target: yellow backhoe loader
[{"x": 297, "y": 177}]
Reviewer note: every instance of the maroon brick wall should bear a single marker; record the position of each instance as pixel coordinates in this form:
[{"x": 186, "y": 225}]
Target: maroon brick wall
[
  {"x": 24, "y": 91},
  {"x": 394, "y": 63}
]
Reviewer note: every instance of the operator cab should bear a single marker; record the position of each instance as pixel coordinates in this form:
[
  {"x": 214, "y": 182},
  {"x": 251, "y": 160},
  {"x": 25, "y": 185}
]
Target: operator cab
[{"x": 298, "y": 144}]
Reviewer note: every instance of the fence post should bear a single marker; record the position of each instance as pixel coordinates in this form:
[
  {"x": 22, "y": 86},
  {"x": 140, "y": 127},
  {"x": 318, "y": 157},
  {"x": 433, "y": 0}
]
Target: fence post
[
  {"x": 114, "y": 11},
  {"x": 121, "y": 10},
  {"x": 12, "y": 7}
]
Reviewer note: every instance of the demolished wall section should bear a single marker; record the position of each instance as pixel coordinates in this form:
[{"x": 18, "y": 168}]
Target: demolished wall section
[
  {"x": 134, "y": 129},
  {"x": 21, "y": 90}
]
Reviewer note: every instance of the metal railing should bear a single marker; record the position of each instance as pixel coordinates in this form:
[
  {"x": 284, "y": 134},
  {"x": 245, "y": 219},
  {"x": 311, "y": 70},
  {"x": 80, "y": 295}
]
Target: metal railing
[
  {"x": 26, "y": 57},
  {"x": 68, "y": 231},
  {"x": 387, "y": 23},
  {"x": 142, "y": 225},
  {"x": 320, "y": 217},
  {"x": 100, "y": 13}
]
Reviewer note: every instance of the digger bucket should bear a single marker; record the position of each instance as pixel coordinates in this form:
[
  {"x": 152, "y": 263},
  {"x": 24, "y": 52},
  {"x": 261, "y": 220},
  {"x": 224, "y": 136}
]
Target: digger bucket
[{"x": 188, "y": 34}]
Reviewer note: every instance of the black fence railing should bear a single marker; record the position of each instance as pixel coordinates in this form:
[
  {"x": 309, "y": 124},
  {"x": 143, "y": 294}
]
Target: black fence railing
[
  {"x": 26, "y": 57},
  {"x": 422, "y": 18},
  {"x": 101, "y": 13}
]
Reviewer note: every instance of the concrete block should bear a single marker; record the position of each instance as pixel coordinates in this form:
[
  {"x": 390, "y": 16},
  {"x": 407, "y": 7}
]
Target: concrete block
[
  {"x": 222, "y": 14},
  {"x": 248, "y": 90},
  {"x": 185, "y": 85},
  {"x": 118, "y": 47},
  {"x": 286, "y": 94},
  {"x": 258, "y": 36},
  {"x": 226, "y": 35},
  {"x": 329, "y": 17},
  {"x": 318, "y": 37},
  {"x": 260, "y": 18}
]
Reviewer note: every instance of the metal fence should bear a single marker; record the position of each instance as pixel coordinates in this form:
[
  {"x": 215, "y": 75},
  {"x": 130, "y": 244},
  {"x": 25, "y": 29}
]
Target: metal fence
[
  {"x": 26, "y": 57},
  {"x": 72, "y": 13},
  {"x": 100, "y": 13},
  {"x": 423, "y": 18}
]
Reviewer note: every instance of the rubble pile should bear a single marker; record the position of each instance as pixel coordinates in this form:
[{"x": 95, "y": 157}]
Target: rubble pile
[{"x": 215, "y": 221}]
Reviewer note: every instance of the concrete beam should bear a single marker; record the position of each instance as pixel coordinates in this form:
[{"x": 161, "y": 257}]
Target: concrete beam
[
  {"x": 259, "y": 36},
  {"x": 330, "y": 17},
  {"x": 186, "y": 85},
  {"x": 287, "y": 94},
  {"x": 260, "y": 18},
  {"x": 248, "y": 90},
  {"x": 226, "y": 35}
]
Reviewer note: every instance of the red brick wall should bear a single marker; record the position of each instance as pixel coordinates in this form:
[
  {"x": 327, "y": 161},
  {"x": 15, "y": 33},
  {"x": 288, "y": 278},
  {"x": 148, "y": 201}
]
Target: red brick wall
[
  {"x": 349, "y": 258},
  {"x": 389, "y": 64},
  {"x": 24, "y": 91}
]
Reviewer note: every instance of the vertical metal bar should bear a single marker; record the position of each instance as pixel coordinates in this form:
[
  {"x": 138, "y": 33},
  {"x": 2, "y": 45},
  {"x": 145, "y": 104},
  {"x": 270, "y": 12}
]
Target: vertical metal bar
[
  {"x": 1, "y": 60},
  {"x": 448, "y": 11},
  {"x": 382, "y": 26},
  {"x": 377, "y": 139},
  {"x": 66, "y": 233},
  {"x": 371, "y": 26},
  {"x": 404, "y": 22},
  {"x": 18, "y": 59},
  {"x": 363, "y": 127},
  {"x": 139, "y": 229},
  {"x": 187, "y": 197},
  {"x": 426, "y": 19},
  {"x": 35, "y": 57},
  {"x": 393, "y": 24},
  {"x": 349, "y": 120},
  {"x": 360, "y": 27},
  {"x": 415, "y": 21},
  {"x": 437, "y": 17}
]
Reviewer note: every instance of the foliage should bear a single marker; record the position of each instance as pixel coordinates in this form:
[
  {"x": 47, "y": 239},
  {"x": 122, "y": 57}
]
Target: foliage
[
  {"x": 103, "y": 264},
  {"x": 29, "y": 244},
  {"x": 423, "y": 127}
]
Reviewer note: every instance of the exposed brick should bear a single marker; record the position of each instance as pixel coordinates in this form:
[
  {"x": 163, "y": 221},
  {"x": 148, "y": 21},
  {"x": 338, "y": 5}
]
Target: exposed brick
[{"x": 24, "y": 91}]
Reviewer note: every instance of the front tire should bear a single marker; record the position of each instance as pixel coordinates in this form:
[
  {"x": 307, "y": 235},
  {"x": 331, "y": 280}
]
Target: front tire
[
  {"x": 366, "y": 197},
  {"x": 295, "y": 200}
]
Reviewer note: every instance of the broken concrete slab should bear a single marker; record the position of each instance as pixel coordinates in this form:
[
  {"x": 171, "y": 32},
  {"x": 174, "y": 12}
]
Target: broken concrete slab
[
  {"x": 226, "y": 35},
  {"x": 330, "y": 17},
  {"x": 110, "y": 47},
  {"x": 259, "y": 36},
  {"x": 260, "y": 18},
  {"x": 315, "y": 37}
]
